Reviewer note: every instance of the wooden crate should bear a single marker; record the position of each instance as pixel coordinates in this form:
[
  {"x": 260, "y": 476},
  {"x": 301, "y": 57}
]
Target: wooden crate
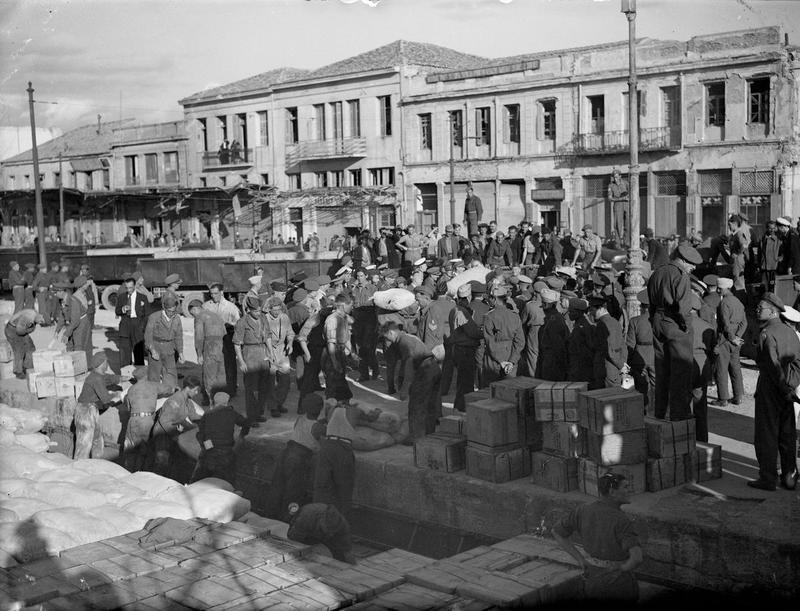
[
  {"x": 520, "y": 391},
  {"x": 478, "y": 395},
  {"x": 493, "y": 423},
  {"x": 669, "y": 438},
  {"x": 46, "y": 386},
  {"x": 565, "y": 439},
  {"x": 626, "y": 448},
  {"x": 6, "y": 371},
  {"x": 452, "y": 425},
  {"x": 589, "y": 471},
  {"x": 497, "y": 465},
  {"x": 557, "y": 401},
  {"x": 6, "y": 352},
  {"x": 704, "y": 463},
  {"x": 70, "y": 364},
  {"x": 440, "y": 453},
  {"x": 611, "y": 410},
  {"x": 554, "y": 471},
  {"x": 43, "y": 360},
  {"x": 70, "y": 387},
  {"x": 663, "y": 473}
]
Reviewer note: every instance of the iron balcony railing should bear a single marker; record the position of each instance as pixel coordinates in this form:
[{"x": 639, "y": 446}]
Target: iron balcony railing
[
  {"x": 650, "y": 139},
  {"x": 326, "y": 149},
  {"x": 230, "y": 157}
]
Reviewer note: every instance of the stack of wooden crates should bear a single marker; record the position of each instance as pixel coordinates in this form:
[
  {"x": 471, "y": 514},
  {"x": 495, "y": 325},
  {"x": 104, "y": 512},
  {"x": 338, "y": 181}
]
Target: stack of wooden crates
[{"x": 57, "y": 374}]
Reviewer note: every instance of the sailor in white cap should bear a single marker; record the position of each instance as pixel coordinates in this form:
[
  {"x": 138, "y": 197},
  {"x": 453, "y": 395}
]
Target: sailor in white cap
[
  {"x": 255, "y": 285},
  {"x": 553, "y": 336},
  {"x": 732, "y": 322}
]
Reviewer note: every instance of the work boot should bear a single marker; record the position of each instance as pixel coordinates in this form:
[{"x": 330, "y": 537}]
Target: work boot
[
  {"x": 789, "y": 481},
  {"x": 719, "y": 403}
]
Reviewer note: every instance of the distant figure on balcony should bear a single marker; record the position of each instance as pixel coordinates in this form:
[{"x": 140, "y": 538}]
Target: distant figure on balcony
[
  {"x": 618, "y": 197},
  {"x": 279, "y": 241},
  {"x": 236, "y": 152},
  {"x": 313, "y": 242},
  {"x": 224, "y": 153},
  {"x": 335, "y": 243}
]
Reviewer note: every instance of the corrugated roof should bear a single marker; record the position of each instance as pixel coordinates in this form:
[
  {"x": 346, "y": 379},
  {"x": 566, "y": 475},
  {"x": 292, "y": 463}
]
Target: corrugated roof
[
  {"x": 259, "y": 82},
  {"x": 396, "y": 53},
  {"x": 79, "y": 142}
]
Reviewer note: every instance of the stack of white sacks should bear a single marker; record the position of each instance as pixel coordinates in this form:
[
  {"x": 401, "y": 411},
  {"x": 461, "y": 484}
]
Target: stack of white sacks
[{"x": 49, "y": 502}]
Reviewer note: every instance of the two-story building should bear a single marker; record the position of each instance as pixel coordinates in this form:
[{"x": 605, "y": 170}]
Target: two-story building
[
  {"x": 330, "y": 140},
  {"x": 539, "y": 135}
]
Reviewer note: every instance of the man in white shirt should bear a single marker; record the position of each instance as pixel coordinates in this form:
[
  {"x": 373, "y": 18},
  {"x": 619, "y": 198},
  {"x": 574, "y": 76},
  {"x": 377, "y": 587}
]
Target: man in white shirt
[{"x": 230, "y": 314}]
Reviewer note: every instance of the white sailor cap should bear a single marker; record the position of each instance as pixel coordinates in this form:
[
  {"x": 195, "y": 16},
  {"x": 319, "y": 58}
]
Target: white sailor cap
[
  {"x": 790, "y": 314},
  {"x": 254, "y": 280},
  {"x": 456, "y": 261},
  {"x": 566, "y": 271},
  {"x": 369, "y": 268},
  {"x": 343, "y": 270},
  {"x": 419, "y": 262}
]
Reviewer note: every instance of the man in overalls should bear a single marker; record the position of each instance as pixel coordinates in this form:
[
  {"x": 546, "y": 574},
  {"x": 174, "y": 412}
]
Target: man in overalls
[
  {"x": 250, "y": 343},
  {"x": 163, "y": 337}
]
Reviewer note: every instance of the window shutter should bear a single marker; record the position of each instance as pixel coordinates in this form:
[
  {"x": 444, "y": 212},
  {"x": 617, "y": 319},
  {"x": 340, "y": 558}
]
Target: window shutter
[{"x": 539, "y": 121}]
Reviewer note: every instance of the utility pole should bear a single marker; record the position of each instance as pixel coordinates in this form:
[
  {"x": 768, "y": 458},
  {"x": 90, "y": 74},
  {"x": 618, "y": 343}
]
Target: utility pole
[
  {"x": 635, "y": 282},
  {"x": 37, "y": 184},
  {"x": 452, "y": 173},
  {"x": 61, "y": 198}
]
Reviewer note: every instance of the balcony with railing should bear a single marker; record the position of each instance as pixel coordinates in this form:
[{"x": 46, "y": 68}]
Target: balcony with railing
[
  {"x": 650, "y": 139},
  {"x": 230, "y": 158},
  {"x": 340, "y": 148}
]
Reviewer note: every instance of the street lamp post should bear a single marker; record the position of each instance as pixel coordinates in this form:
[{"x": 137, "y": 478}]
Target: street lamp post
[
  {"x": 635, "y": 282},
  {"x": 37, "y": 184}
]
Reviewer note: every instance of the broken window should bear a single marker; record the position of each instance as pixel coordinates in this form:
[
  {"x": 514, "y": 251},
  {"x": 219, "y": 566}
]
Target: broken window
[
  {"x": 758, "y": 101},
  {"x": 425, "y": 132}
]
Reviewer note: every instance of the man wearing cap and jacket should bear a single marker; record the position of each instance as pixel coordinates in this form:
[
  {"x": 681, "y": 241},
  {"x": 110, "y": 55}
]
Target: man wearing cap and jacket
[
  {"x": 590, "y": 245},
  {"x": 230, "y": 315},
  {"x": 532, "y": 319},
  {"x": 16, "y": 281},
  {"x": 250, "y": 343},
  {"x": 503, "y": 339},
  {"x": 704, "y": 341},
  {"x": 163, "y": 338},
  {"x": 553, "y": 340},
  {"x": 580, "y": 345},
  {"x": 670, "y": 295},
  {"x": 473, "y": 211},
  {"x": 610, "y": 351},
  {"x": 789, "y": 253},
  {"x": 131, "y": 307},
  {"x": 365, "y": 326},
  {"x": 78, "y": 332},
  {"x": 641, "y": 357},
  {"x": 449, "y": 245},
  {"x": 731, "y": 324},
  {"x": 173, "y": 282},
  {"x": 52, "y": 298},
  {"x": 778, "y": 361},
  {"x": 465, "y": 337},
  {"x": 209, "y": 331},
  {"x": 769, "y": 255}
]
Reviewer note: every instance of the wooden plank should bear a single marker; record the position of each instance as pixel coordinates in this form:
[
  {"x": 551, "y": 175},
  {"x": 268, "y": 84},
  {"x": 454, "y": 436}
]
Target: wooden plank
[
  {"x": 249, "y": 582},
  {"x": 90, "y": 552},
  {"x": 201, "y": 594},
  {"x": 83, "y": 577},
  {"x": 110, "y": 596},
  {"x": 321, "y": 594},
  {"x": 496, "y": 560},
  {"x": 227, "y": 564},
  {"x": 179, "y": 552},
  {"x": 400, "y": 560}
]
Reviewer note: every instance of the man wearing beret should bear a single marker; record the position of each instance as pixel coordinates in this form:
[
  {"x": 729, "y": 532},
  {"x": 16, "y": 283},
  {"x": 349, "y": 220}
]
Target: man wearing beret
[
  {"x": 552, "y": 363},
  {"x": 163, "y": 337},
  {"x": 250, "y": 339},
  {"x": 731, "y": 324},
  {"x": 503, "y": 338},
  {"x": 778, "y": 361},
  {"x": 78, "y": 332},
  {"x": 91, "y": 292},
  {"x": 641, "y": 357},
  {"x": 580, "y": 346},
  {"x": 670, "y": 295},
  {"x": 178, "y": 413}
]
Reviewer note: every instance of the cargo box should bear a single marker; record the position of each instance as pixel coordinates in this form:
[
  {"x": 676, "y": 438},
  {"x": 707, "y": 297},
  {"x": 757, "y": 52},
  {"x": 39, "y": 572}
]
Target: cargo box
[
  {"x": 611, "y": 410},
  {"x": 70, "y": 364},
  {"x": 6, "y": 371},
  {"x": 6, "y": 352},
  {"x": 517, "y": 390},
  {"x": 554, "y": 472},
  {"x": 43, "y": 360},
  {"x": 46, "y": 385},
  {"x": 70, "y": 387},
  {"x": 440, "y": 453},
  {"x": 478, "y": 395},
  {"x": 589, "y": 471},
  {"x": 663, "y": 473},
  {"x": 452, "y": 425},
  {"x": 497, "y": 465},
  {"x": 626, "y": 448},
  {"x": 565, "y": 439},
  {"x": 493, "y": 423},
  {"x": 669, "y": 438},
  {"x": 558, "y": 401},
  {"x": 704, "y": 463}
]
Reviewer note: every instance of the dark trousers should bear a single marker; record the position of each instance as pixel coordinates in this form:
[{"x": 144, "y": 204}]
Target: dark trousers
[
  {"x": 769, "y": 279},
  {"x": 22, "y": 347},
  {"x": 310, "y": 380},
  {"x": 479, "y": 377},
  {"x": 291, "y": 480},
  {"x": 163, "y": 446},
  {"x": 775, "y": 433},
  {"x": 447, "y": 370},
  {"x": 531, "y": 351},
  {"x": 609, "y": 584},
  {"x": 673, "y": 364},
  {"x": 277, "y": 390},
  {"x": 229, "y": 355},
  {"x": 216, "y": 462},
  {"x": 28, "y": 298},
  {"x": 424, "y": 400},
  {"x": 336, "y": 386},
  {"x": 700, "y": 411},
  {"x": 606, "y": 375},
  {"x": 18, "y": 293},
  {"x": 728, "y": 362},
  {"x": 644, "y": 381},
  {"x": 165, "y": 369},
  {"x": 335, "y": 474},
  {"x": 366, "y": 339},
  {"x": 131, "y": 343},
  {"x": 392, "y": 358},
  {"x": 255, "y": 392},
  {"x": 41, "y": 304},
  {"x": 464, "y": 362}
]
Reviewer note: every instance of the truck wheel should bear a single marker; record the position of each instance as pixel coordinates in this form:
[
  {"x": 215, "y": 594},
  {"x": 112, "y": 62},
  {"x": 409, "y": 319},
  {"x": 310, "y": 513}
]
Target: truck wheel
[
  {"x": 109, "y": 297},
  {"x": 187, "y": 298}
]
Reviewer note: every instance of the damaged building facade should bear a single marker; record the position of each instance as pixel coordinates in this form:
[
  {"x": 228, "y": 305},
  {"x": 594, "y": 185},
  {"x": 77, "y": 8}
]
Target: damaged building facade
[{"x": 369, "y": 141}]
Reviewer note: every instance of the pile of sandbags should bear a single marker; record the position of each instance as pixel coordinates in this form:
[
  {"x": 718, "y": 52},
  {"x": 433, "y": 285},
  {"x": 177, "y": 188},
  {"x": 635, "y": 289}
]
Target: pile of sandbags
[
  {"x": 49, "y": 503},
  {"x": 22, "y": 427}
]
